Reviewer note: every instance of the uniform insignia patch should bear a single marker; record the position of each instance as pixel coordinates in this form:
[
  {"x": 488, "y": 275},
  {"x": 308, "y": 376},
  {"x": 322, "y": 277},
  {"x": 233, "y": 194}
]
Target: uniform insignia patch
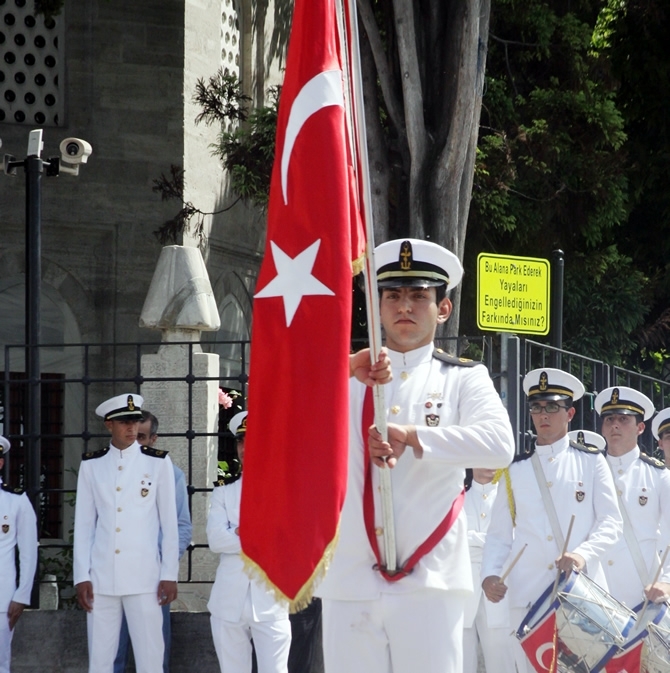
[
  {"x": 432, "y": 420},
  {"x": 144, "y": 492},
  {"x": 643, "y": 500},
  {"x": 131, "y": 403},
  {"x": 579, "y": 495},
  {"x": 89, "y": 455},
  {"x": 544, "y": 381},
  {"x": 5, "y": 528}
]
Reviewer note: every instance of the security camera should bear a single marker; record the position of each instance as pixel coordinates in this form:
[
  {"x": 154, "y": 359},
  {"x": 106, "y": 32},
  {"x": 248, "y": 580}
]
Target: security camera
[{"x": 75, "y": 151}]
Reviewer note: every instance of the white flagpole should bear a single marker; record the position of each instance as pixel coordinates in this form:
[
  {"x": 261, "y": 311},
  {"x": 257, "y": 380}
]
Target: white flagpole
[{"x": 371, "y": 292}]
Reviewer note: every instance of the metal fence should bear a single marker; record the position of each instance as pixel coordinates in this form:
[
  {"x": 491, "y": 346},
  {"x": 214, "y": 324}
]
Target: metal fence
[{"x": 78, "y": 378}]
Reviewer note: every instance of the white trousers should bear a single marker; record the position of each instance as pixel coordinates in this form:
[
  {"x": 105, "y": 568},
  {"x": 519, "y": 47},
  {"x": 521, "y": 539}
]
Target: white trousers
[
  {"x": 232, "y": 642},
  {"x": 498, "y": 655},
  {"x": 145, "y": 625},
  {"x": 5, "y": 643},
  {"x": 420, "y": 631}
]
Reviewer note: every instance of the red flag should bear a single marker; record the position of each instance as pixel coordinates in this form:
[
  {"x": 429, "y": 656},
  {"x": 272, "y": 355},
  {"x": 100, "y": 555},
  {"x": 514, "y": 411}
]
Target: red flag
[
  {"x": 296, "y": 444},
  {"x": 541, "y": 644},
  {"x": 627, "y": 661}
]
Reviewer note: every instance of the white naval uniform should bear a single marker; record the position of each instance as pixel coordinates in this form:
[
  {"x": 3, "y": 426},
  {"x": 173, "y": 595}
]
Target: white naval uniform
[
  {"x": 471, "y": 430},
  {"x": 580, "y": 483},
  {"x": 18, "y": 528},
  {"x": 240, "y": 607},
  {"x": 484, "y": 622},
  {"x": 125, "y": 499},
  {"x": 645, "y": 493}
]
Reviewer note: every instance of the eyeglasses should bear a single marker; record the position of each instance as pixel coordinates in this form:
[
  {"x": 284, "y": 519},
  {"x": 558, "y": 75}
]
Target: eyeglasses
[{"x": 548, "y": 408}]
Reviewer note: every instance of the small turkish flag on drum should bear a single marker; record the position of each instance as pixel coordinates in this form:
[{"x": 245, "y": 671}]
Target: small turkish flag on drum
[
  {"x": 626, "y": 662},
  {"x": 540, "y": 644}
]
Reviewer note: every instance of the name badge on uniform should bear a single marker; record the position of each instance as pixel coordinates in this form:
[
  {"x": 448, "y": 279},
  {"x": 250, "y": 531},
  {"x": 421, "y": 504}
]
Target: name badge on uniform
[
  {"x": 144, "y": 491},
  {"x": 433, "y": 418},
  {"x": 5, "y": 528}
]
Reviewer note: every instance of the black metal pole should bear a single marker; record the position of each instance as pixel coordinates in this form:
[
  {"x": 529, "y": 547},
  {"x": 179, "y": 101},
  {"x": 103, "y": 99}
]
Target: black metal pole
[
  {"x": 557, "y": 268},
  {"x": 32, "y": 424}
]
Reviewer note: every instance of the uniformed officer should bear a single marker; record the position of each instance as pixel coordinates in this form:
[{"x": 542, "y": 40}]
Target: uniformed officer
[
  {"x": 660, "y": 428},
  {"x": 445, "y": 415},
  {"x": 241, "y": 609},
  {"x": 643, "y": 488},
  {"x": 588, "y": 438},
  {"x": 18, "y": 528},
  {"x": 486, "y": 624},
  {"x": 125, "y": 500},
  {"x": 578, "y": 482}
]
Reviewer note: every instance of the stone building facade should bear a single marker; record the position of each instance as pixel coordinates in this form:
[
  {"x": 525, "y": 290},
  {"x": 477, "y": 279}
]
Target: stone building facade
[{"x": 121, "y": 75}]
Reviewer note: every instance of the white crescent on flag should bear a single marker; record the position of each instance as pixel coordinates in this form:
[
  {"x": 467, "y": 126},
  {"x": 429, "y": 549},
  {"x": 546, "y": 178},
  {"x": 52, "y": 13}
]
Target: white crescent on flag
[
  {"x": 541, "y": 651},
  {"x": 323, "y": 90}
]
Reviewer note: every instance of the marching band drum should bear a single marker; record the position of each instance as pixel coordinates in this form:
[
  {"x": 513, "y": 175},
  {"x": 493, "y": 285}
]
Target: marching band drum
[{"x": 587, "y": 630}]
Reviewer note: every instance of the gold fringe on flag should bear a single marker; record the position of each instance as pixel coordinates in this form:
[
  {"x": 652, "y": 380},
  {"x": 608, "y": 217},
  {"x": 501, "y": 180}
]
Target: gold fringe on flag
[
  {"x": 357, "y": 265},
  {"x": 304, "y": 596}
]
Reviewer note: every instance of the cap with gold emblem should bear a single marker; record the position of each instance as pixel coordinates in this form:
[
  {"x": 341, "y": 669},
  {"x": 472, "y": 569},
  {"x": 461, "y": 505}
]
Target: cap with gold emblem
[
  {"x": 623, "y": 400},
  {"x": 588, "y": 438},
  {"x": 661, "y": 423},
  {"x": 126, "y": 407},
  {"x": 551, "y": 384},
  {"x": 413, "y": 263},
  {"x": 238, "y": 424},
  {"x": 4, "y": 445}
]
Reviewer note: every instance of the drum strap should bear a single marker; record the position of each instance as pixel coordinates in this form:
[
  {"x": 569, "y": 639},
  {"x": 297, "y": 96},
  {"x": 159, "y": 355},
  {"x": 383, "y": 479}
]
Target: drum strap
[
  {"x": 549, "y": 507},
  {"x": 631, "y": 540}
]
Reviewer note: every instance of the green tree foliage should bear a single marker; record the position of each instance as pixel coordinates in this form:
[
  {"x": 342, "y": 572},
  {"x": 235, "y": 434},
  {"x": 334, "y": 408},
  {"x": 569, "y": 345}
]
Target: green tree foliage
[
  {"x": 552, "y": 167},
  {"x": 633, "y": 35}
]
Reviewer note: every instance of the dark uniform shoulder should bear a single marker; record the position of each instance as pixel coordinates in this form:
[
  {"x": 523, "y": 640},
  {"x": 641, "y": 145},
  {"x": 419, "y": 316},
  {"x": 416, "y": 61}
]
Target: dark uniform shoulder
[
  {"x": 439, "y": 354},
  {"x": 219, "y": 482},
  {"x": 154, "y": 453},
  {"x": 14, "y": 491},
  {"x": 585, "y": 449},
  {"x": 650, "y": 460},
  {"x": 89, "y": 455}
]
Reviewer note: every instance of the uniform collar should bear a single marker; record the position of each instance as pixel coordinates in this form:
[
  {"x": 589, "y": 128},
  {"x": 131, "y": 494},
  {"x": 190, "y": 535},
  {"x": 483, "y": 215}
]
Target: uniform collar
[
  {"x": 483, "y": 489},
  {"x": 626, "y": 460},
  {"x": 126, "y": 453},
  {"x": 411, "y": 358},
  {"x": 553, "y": 449}
]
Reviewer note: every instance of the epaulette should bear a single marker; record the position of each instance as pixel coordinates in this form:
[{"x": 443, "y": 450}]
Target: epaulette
[
  {"x": 650, "y": 460},
  {"x": 524, "y": 455},
  {"x": 586, "y": 449},
  {"x": 219, "y": 482},
  {"x": 439, "y": 354},
  {"x": 89, "y": 455},
  {"x": 154, "y": 453},
  {"x": 15, "y": 491}
]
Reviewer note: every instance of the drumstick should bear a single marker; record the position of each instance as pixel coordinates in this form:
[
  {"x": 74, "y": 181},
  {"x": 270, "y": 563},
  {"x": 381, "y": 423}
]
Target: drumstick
[
  {"x": 512, "y": 564},
  {"x": 658, "y": 574},
  {"x": 565, "y": 549}
]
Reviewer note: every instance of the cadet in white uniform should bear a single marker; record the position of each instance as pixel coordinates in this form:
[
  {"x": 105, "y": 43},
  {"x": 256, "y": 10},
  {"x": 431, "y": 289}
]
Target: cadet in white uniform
[
  {"x": 579, "y": 483},
  {"x": 660, "y": 428},
  {"x": 643, "y": 485},
  {"x": 445, "y": 415},
  {"x": 125, "y": 499},
  {"x": 485, "y": 623},
  {"x": 241, "y": 608},
  {"x": 18, "y": 528}
]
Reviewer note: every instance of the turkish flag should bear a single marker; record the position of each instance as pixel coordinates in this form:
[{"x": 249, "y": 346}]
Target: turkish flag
[
  {"x": 541, "y": 644},
  {"x": 295, "y": 460},
  {"x": 627, "y": 661}
]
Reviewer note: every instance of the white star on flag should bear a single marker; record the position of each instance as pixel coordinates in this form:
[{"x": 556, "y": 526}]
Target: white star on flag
[{"x": 294, "y": 279}]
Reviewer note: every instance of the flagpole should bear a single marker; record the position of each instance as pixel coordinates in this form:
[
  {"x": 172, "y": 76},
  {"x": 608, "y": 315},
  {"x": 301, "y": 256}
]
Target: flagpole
[{"x": 371, "y": 291}]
